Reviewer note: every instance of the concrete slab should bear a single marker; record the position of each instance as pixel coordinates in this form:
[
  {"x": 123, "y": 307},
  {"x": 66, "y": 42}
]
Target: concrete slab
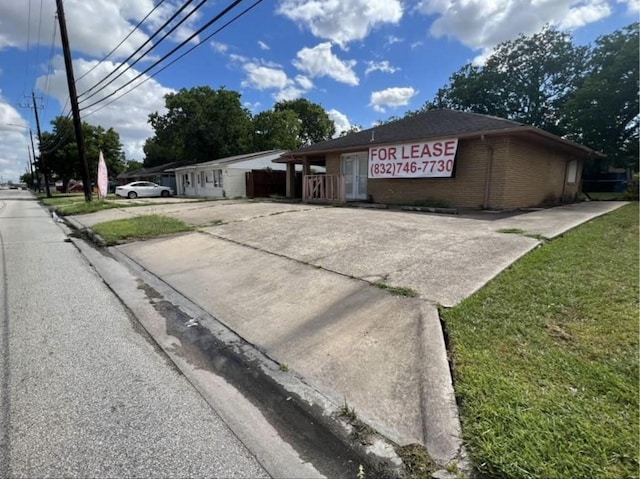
[
  {"x": 443, "y": 258},
  {"x": 197, "y": 213},
  {"x": 554, "y": 222},
  {"x": 352, "y": 341}
]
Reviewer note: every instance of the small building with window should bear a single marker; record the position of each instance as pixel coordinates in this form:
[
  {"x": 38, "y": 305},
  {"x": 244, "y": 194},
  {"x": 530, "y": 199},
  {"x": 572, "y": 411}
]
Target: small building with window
[
  {"x": 224, "y": 177},
  {"x": 446, "y": 157}
]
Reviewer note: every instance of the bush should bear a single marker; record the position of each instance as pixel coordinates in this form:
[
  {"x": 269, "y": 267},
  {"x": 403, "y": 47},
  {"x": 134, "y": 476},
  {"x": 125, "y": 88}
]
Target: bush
[{"x": 632, "y": 190}]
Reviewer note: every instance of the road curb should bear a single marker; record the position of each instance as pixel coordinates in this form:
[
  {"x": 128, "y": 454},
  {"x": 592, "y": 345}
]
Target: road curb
[{"x": 379, "y": 457}]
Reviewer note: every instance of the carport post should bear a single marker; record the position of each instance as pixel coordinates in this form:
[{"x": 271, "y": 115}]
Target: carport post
[{"x": 291, "y": 180}]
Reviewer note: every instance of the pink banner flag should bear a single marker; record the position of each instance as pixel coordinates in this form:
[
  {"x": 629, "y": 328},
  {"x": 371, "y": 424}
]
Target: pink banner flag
[{"x": 103, "y": 178}]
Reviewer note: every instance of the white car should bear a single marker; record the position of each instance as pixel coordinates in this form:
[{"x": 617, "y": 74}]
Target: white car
[{"x": 142, "y": 189}]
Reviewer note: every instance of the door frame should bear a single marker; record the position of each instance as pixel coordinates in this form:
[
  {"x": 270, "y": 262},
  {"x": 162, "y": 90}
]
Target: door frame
[{"x": 359, "y": 172}]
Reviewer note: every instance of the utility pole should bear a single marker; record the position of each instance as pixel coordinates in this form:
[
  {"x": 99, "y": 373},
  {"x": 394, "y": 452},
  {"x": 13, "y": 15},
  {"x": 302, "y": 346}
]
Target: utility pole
[
  {"x": 33, "y": 149},
  {"x": 43, "y": 166},
  {"x": 73, "y": 98},
  {"x": 33, "y": 184}
]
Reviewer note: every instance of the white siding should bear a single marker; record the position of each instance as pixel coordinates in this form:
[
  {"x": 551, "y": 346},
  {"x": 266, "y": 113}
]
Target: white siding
[{"x": 235, "y": 183}]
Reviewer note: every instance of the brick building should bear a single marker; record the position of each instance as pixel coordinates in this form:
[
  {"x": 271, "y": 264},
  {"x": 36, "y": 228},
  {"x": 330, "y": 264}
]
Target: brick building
[{"x": 462, "y": 159}]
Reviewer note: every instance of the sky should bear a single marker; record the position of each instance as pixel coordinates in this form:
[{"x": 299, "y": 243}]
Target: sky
[{"x": 362, "y": 60}]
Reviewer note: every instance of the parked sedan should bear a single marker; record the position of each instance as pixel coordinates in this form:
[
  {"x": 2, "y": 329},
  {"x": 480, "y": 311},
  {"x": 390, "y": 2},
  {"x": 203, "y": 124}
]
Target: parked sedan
[{"x": 143, "y": 189}]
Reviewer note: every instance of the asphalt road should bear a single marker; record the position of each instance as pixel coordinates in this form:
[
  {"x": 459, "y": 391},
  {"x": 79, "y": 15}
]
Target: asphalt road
[{"x": 84, "y": 392}]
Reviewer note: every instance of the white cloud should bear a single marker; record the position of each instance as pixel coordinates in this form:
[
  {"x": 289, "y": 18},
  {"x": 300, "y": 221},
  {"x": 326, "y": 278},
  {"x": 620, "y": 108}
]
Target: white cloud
[
  {"x": 127, "y": 116},
  {"x": 304, "y": 82},
  {"x": 342, "y": 21},
  {"x": 340, "y": 120},
  {"x": 92, "y": 26},
  {"x": 391, "y": 39},
  {"x": 482, "y": 24},
  {"x": 290, "y": 92},
  {"x": 252, "y": 107},
  {"x": 14, "y": 155},
  {"x": 220, "y": 47},
  {"x": 320, "y": 61},
  {"x": 585, "y": 14},
  {"x": 263, "y": 45},
  {"x": 633, "y": 6},
  {"x": 391, "y": 97},
  {"x": 263, "y": 77},
  {"x": 382, "y": 66}
]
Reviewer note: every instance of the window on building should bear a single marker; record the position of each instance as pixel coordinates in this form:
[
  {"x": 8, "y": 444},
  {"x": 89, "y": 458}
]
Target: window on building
[
  {"x": 217, "y": 178},
  {"x": 572, "y": 171}
]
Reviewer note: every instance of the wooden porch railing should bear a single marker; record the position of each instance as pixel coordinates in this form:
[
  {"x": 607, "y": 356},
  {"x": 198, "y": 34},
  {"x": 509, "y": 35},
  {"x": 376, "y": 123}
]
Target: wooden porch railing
[{"x": 324, "y": 188}]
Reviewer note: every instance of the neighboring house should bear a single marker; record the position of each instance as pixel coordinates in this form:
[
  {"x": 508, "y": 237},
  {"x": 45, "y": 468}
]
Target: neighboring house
[
  {"x": 224, "y": 177},
  {"x": 459, "y": 158},
  {"x": 162, "y": 175}
]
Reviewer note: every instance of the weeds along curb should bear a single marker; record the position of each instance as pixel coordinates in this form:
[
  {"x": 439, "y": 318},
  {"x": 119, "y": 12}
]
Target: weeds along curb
[{"x": 88, "y": 233}]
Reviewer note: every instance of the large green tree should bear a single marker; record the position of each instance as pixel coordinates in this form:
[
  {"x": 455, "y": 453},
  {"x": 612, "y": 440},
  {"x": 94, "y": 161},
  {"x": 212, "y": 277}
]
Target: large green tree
[
  {"x": 528, "y": 80},
  {"x": 276, "y": 130},
  {"x": 60, "y": 150},
  {"x": 201, "y": 124},
  {"x": 315, "y": 123},
  {"x": 603, "y": 112}
]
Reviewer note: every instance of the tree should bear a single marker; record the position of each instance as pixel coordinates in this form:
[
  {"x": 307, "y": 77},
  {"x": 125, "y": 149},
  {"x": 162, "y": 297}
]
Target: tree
[
  {"x": 276, "y": 130},
  {"x": 28, "y": 179},
  {"x": 132, "y": 165},
  {"x": 527, "y": 80},
  {"x": 603, "y": 111},
  {"x": 316, "y": 125},
  {"x": 201, "y": 124},
  {"x": 61, "y": 153},
  {"x": 352, "y": 129}
]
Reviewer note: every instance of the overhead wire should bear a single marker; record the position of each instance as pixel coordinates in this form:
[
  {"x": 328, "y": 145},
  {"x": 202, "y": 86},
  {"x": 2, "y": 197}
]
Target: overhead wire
[
  {"x": 35, "y": 64},
  {"x": 47, "y": 82},
  {"x": 106, "y": 57},
  {"x": 207, "y": 25},
  {"x": 124, "y": 62},
  {"x": 26, "y": 71},
  {"x": 245, "y": 11}
]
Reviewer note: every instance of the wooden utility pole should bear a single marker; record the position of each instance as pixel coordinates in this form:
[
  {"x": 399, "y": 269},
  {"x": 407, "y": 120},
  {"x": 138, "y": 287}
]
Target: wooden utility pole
[
  {"x": 73, "y": 99},
  {"x": 33, "y": 149},
  {"x": 43, "y": 166}
]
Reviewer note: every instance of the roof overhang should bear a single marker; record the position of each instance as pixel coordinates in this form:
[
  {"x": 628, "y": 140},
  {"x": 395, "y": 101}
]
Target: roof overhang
[{"x": 528, "y": 132}]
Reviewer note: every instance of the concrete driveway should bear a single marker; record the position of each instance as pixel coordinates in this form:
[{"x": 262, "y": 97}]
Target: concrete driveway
[
  {"x": 294, "y": 280},
  {"x": 443, "y": 258}
]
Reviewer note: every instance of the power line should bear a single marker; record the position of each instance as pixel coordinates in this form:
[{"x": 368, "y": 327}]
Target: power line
[
  {"x": 26, "y": 71},
  {"x": 35, "y": 65},
  {"x": 207, "y": 25},
  {"x": 137, "y": 50},
  {"x": 246, "y": 10},
  {"x": 123, "y": 40},
  {"x": 50, "y": 66}
]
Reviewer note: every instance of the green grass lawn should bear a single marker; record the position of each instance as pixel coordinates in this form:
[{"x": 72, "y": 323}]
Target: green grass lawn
[
  {"x": 139, "y": 227},
  {"x": 74, "y": 203},
  {"x": 546, "y": 359}
]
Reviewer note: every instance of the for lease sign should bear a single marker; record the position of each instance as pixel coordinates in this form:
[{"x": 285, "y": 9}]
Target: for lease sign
[{"x": 429, "y": 159}]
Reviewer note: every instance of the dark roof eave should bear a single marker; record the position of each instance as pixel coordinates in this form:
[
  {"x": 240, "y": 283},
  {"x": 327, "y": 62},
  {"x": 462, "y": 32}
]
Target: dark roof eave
[{"x": 297, "y": 155}]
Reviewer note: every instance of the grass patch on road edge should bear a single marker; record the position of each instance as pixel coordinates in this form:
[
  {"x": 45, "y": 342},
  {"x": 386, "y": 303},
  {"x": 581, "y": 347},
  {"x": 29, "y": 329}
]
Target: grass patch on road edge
[
  {"x": 139, "y": 227},
  {"x": 546, "y": 358}
]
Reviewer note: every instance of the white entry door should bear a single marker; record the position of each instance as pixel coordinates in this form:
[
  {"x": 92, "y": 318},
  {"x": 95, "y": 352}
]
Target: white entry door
[{"x": 354, "y": 169}]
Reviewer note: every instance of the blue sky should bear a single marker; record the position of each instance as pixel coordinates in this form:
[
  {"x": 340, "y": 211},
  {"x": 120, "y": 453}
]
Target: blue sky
[{"x": 362, "y": 60}]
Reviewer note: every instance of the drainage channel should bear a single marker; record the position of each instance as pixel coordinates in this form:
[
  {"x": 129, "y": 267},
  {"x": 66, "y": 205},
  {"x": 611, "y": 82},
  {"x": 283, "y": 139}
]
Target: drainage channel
[{"x": 313, "y": 442}]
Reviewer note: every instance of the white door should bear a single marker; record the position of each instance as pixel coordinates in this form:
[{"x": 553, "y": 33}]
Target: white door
[{"x": 355, "y": 171}]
